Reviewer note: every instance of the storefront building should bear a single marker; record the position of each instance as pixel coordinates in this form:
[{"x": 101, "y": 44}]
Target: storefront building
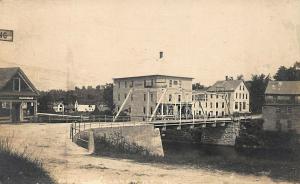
[{"x": 18, "y": 96}]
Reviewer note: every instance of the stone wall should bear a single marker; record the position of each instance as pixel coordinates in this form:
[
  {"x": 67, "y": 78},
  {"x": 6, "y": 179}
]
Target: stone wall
[
  {"x": 221, "y": 135},
  {"x": 218, "y": 135},
  {"x": 142, "y": 136}
]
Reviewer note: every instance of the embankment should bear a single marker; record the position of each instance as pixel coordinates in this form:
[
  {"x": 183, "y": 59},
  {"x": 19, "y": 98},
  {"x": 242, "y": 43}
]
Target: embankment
[{"x": 140, "y": 139}]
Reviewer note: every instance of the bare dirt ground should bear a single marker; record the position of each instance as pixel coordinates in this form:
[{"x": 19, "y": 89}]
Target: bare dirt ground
[{"x": 68, "y": 163}]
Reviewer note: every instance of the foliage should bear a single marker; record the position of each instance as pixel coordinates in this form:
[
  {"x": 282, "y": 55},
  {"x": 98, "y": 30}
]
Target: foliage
[
  {"x": 287, "y": 74},
  {"x": 257, "y": 87},
  {"x": 197, "y": 86}
]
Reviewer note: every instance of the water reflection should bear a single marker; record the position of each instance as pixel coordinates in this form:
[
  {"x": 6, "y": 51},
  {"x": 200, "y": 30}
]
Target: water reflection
[{"x": 276, "y": 164}]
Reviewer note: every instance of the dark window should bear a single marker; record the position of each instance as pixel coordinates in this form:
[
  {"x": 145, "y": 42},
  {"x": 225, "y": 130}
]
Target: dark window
[
  {"x": 236, "y": 105},
  {"x": 179, "y": 98},
  {"x": 223, "y": 104},
  {"x": 125, "y": 95},
  {"x": 119, "y": 98},
  {"x": 175, "y": 82},
  {"x": 170, "y": 97},
  {"x": 217, "y": 105},
  {"x": 217, "y": 113},
  {"x": 131, "y": 97},
  {"x": 125, "y": 84},
  {"x": 119, "y": 84},
  {"x": 205, "y": 104},
  {"x": 217, "y": 96},
  {"x": 144, "y": 97},
  {"x": 211, "y": 105},
  {"x": 170, "y": 83},
  {"x": 289, "y": 109},
  {"x": 16, "y": 84},
  {"x": 144, "y": 110},
  {"x": 211, "y": 96},
  {"x": 278, "y": 110},
  {"x": 151, "y": 97},
  {"x": 244, "y": 105},
  {"x": 151, "y": 110}
]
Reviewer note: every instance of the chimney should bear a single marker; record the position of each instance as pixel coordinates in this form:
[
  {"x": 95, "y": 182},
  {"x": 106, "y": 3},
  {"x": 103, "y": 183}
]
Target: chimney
[
  {"x": 161, "y": 55},
  {"x": 226, "y": 77}
]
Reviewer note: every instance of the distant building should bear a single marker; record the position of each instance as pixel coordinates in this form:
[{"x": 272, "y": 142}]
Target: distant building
[
  {"x": 281, "y": 111},
  {"x": 142, "y": 95},
  {"x": 18, "y": 96},
  {"x": 84, "y": 107},
  {"x": 222, "y": 99},
  {"x": 58, "y": 107}
]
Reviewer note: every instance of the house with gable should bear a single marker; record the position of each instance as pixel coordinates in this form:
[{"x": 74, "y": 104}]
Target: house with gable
[{"x": 18, "y": 96}]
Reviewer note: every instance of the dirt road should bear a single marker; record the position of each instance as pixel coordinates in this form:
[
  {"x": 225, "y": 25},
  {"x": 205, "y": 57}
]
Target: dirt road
[{"x": 69, "y": 163}]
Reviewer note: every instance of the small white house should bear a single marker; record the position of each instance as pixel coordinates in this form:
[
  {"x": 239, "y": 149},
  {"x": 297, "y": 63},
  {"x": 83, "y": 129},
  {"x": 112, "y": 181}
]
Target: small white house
[
  {"x": 58, "y": 107},
  {"x": 84, "y": 107}
]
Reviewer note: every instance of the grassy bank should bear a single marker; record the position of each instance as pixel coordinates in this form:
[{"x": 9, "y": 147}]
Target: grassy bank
[{"x": 16, "y": 167}]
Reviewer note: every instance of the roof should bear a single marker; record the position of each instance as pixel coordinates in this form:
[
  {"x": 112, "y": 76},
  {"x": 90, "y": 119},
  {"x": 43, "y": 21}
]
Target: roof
[
  {"x": 225, "y": 85},
  {"x": 283, "y": 87},
  {"x": 156, "y": 75},
  {"x": 6, "y": 74}
]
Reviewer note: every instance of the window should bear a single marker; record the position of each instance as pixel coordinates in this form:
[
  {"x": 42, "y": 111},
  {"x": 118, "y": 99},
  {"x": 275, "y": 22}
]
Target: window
[
  {"x": 236, "y": 95},
  {"x": 243, "y": 96},
  {"x": 236, "y": 105},
  {"x": 244, "y": 105},
  {"x": 170, "y": 97},
  {"x": 240, "y": 87},
  {"x": 175, "y": 82},
  {"x": 129, "y": 110},
  {"x": 132, "y": 83},
  {"x": 211, "y": 96},
  {"x": 243, "y": 88},
  {"x": 145, "y": 83},
  {"x": 217, "y": 96},
  {"x": 222, "y": 113},
  {"x": 289, "y": 109},
  {"x": 217, "y": 113},
  {"x": 4, "y": 104},
  {"x": 131, "y": 97},
  {"x": 119, "y": 98},
  {"x": 125, "y": 95},
  {"x": 217, "y": 105},
  {"x": 170, "y": 83},
  {"x": 193, "y": 97},
  {"x": 223, "y": 104},
  {"x": 144, "y": 110},
  {"x": 180, "y": 83},
  {"x": 16, "y": 84},
  {"x": 205, "y": 104},
  {"x": 119, "y": 84},
  {"x": 151, "y": 110},
  {"x": 179, "y": 98},
  {"x": 145, "y": 97},
  {"x": 125, "y": 84},
  {"x": 152, "y": 82},
  {"x": 151, "y": 97},
  {"x": 240, "y": 95},
  {"x": 211, "y": 105},
  {"x": 246, "y": 96}
]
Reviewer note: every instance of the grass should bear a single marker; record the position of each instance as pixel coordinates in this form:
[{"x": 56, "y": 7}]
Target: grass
[{"x": 19, "y": 167}]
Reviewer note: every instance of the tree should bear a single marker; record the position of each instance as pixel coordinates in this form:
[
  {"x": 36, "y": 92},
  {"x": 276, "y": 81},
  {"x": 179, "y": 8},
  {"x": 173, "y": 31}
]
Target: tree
[
  {"x": 287, "y": 74},
  {"x": 108, "y": 95},
  {"x": 258, "y": 85},
  {"x": 240, "y": 77},
  {"x": 197, "y": 86}
]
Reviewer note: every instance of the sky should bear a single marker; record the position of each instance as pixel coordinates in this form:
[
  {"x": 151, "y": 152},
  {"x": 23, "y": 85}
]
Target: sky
[{"x": 65, "y": 43}]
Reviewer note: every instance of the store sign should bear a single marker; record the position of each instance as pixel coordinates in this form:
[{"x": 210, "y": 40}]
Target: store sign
[
  {"x": 25, "y": 98},
  {"x": 6, "y": 35}
]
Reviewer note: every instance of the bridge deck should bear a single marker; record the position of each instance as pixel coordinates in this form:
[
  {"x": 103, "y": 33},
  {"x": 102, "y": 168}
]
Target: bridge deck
[{"x": 159, "y": 123}]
